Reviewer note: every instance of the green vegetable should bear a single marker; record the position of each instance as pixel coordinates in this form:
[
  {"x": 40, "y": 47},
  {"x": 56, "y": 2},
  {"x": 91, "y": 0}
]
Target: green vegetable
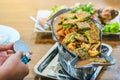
[
  {"x": 106, "y": 28},
  {"x": 67, "y": 25},
  {"x": 86, "y": 18},
  {"x": 82, "y": 53},
  {"x": 55, "y": 8},
  {"x": 74, "y": 17},
  {"x": 89, "y": 36},
  {"x": 84, "y": 7},
  {"x": 83, "y": 26},
  {"x": 71, "y": 38},
  {"x": 112, "y": 27}
]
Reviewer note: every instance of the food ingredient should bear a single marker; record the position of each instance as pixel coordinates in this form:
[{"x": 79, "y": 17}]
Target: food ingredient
[
  {"x": 112, "y": 27},
  {"x": 79, "y": 33},
  {"x": 107, "y": 14},
  {"x": 88, "y": 7}
]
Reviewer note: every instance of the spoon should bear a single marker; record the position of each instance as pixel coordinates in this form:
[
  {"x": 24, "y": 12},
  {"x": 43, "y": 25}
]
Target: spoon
[{"x": 20, "y": 45}]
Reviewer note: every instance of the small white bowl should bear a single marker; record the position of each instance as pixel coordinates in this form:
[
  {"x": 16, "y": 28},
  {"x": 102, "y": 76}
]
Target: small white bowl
[{"x": 42, "y": 14}]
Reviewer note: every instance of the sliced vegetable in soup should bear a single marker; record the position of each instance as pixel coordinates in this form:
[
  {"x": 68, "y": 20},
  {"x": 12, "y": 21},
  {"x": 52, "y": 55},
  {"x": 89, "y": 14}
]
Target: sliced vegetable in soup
[{"x": 78, "y": 33}]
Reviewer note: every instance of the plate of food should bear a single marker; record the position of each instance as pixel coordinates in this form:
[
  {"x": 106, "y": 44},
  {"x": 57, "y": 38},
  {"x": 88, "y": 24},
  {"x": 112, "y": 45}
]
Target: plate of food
[
  {"x": 41, "y": 21},
  {"x": 110, "y": 19},
  {"x": 8, "y": 34}
]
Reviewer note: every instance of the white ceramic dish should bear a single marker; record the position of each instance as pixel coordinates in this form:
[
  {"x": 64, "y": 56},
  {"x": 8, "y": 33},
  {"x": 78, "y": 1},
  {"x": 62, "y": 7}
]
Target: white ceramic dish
[
  {"x": 40, "y": 15},
  {"x": 3, "y": 37},
  {"x": 116, "y": 19},
  {"x": 8, "y": 34}
]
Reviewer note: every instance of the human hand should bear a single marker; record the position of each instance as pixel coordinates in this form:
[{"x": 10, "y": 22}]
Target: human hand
[
  {"x": 5, "y": 51},
  {"x": 6, "y": 47},
  {"x": 13, "y": 68}
]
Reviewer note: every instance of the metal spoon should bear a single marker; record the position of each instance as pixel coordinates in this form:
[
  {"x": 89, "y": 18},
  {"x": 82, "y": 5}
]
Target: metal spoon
[{"x": 20, "y": 45}]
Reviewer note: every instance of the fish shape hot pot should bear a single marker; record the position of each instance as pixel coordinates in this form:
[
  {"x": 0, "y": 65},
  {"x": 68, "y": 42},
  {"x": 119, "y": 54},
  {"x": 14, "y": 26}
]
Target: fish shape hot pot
[{"x": 68, "y": 58}]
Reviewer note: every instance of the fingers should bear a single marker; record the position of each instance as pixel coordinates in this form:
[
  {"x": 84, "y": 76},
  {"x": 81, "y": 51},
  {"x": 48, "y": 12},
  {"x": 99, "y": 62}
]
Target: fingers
[
  {"x": 10, "y": 52},
  {"x": 19, "y": 54},
  {"x": 27, "y": 70},
  {"x": 9, "y": 46},
  {"x": 30, "y": 52},
  {"x": 2, "y": 59},
  {"x": 6, "y": 47}
]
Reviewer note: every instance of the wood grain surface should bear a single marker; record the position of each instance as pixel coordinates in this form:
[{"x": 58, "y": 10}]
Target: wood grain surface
[{"x": 16, "y": 13}]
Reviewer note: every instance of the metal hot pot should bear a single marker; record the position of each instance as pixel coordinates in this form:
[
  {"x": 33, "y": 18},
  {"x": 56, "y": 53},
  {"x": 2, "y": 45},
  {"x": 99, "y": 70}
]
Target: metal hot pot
[{"x": 68, "y": 59}]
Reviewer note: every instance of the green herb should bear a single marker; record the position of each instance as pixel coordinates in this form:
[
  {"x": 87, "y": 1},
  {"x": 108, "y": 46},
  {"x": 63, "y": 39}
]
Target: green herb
[
  {"x": 56, "y": 8},
  {"x": 84, "y": 7}
]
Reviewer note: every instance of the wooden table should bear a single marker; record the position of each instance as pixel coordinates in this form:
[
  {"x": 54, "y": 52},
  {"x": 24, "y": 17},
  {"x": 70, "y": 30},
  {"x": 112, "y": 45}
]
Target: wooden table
[{"x": 16, "y": 13}]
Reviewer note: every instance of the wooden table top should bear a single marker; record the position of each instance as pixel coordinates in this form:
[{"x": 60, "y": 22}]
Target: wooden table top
[{"x": 16, "y": 13}]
